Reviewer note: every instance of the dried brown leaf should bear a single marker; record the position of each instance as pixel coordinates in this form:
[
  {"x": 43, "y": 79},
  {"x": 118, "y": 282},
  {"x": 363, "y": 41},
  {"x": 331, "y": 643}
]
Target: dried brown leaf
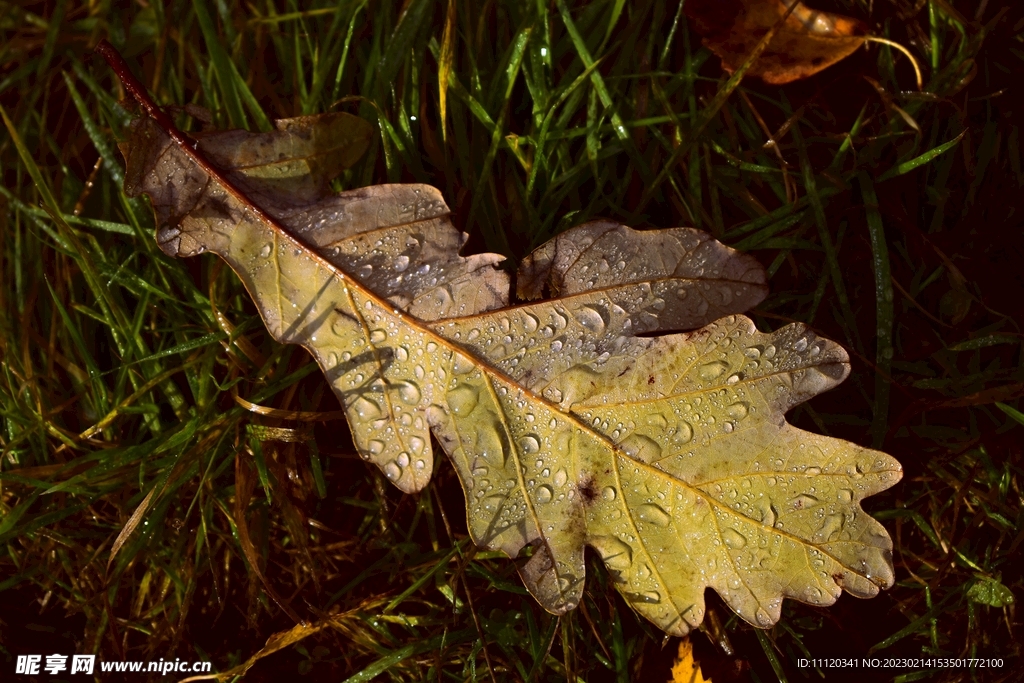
[{"x": 808, "y": 42}]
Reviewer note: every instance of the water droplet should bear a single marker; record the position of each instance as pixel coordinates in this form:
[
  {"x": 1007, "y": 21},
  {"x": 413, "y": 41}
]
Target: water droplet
[
  {"x": 738, "y": 411},
  {"x": 365, "y": 408},
  {"x": 640, "y": 447},
  {"x": 401, "y": 263},
  {"x": 592, "y": 319},
  {"x": 529, "y": 444},
  {"x": 561, "y": 477},
  {"x": 769, "y": 351},
  {"x": 683, "y": 433},
  {"x": 556, "y": 345},
  {"x": 712, "y": 370},
  {"x": 378, "y": 336},
  {"x": 608, "y": 493},
  {"x": 403, "y": 460},
  {"x": 530, "y": 322},
  {"x": 544, "y": 493},
  {"x": 463, "y": 399},
  {"x": 733, "y": 539},
  {"x": 658, "y": 421},
  {"x": 416, "y": 444},
  {"x": 649, "y": 512},
  {"x": 845, "y": 495},
  {"x": 409, "y": 392},
  {"x": 800, "y": 345},
  {"x": 392, "y": 472},
  {"x": 812, "y": 471},
  {"x": 553, "y": 394},
  {"x": 763, "y": 618},
  {"x": 265, "y": 251},
  {"x": 375, "y": 447}
]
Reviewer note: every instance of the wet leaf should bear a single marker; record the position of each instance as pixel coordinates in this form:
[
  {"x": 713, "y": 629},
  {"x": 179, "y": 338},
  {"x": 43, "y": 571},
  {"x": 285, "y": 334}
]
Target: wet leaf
[
  {"x": 668, "y": 454},
  {"x": 991, "y": 592},
  {"x": 807, "y": 42}
]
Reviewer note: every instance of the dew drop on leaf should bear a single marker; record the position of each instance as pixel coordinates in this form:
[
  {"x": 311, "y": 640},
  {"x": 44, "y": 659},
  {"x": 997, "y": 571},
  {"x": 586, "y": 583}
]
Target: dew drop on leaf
[
  {"x": 683, "y": 433},
  {"x": 712, "y": 370},
  {"x": 738, "y": 411},
  {"x": 591, "y": 319},
  {"x": 657, "y": 420},
  {"x": 463, "y": 399},
  {"x": 409, "y": 392},
  {"x": 640, "y": 447},
  {"x": 366, "y": 408},
  {"x": 733, "y": 539},
  {"x": 544, "y": 493},
  {"x": 655, "y": 514},
  {"x": 529, "y": 444},
  {"x": 561, "y": 477},
  {"x": 552, "y": 393}
]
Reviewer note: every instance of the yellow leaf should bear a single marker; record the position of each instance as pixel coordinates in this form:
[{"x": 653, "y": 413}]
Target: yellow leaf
[
  {"x": 686, "y": 669},
  {"x": 583, "y": 419}
]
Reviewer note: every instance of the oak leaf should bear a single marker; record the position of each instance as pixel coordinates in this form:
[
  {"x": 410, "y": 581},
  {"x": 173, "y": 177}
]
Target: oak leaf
[
  {"x": 806, "y": 43},
  {"x": 668, "y": 453}
]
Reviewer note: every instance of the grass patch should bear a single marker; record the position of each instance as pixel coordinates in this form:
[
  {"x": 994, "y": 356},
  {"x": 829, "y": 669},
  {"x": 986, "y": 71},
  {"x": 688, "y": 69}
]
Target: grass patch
[{"x": 175, "y": 484}]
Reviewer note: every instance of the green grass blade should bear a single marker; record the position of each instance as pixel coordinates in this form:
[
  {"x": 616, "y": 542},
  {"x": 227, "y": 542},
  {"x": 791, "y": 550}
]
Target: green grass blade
[
  {"x": 921, "y": 160},
  {"x": 883, "y": 309}
]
